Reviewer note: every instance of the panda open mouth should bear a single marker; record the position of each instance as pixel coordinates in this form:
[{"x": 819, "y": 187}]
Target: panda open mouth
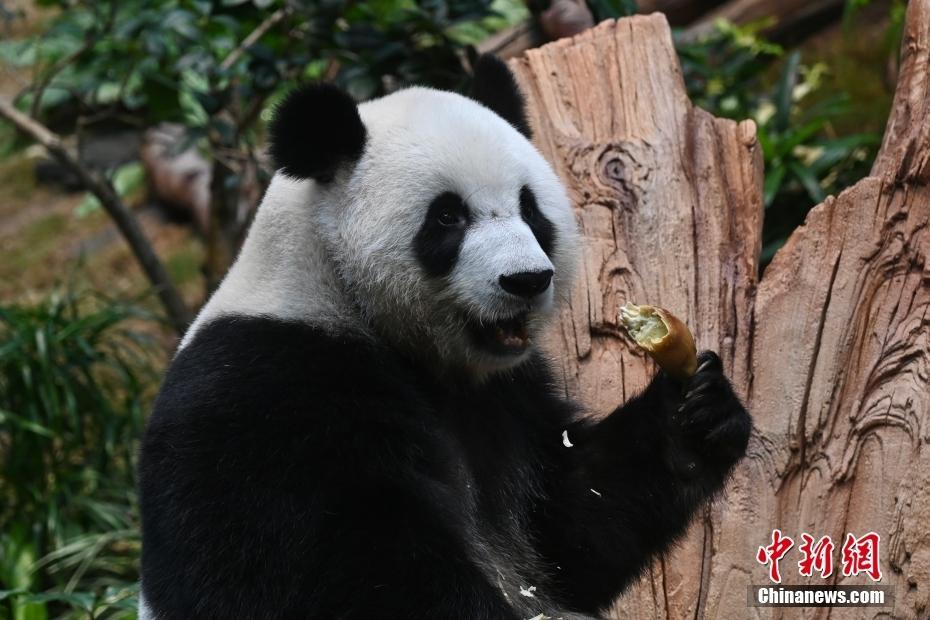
[{"x": 508, "y": 336}]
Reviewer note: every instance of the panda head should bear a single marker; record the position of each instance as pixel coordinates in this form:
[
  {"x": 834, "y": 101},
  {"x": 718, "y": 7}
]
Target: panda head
[{"x": 449, "y": 232}]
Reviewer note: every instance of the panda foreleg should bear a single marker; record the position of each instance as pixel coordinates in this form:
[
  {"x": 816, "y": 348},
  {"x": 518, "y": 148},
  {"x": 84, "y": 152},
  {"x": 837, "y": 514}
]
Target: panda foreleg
[{"x": 630, "y": 484}]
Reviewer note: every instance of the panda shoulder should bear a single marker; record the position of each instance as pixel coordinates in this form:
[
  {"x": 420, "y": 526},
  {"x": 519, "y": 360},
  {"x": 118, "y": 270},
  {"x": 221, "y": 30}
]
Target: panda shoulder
[{"x": 244, "y": 365}]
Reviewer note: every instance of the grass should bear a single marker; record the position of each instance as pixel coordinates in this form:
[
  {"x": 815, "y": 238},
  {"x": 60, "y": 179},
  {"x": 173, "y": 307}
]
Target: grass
[
  {"x": 75, "y": 381},
  {"x": 17, "y": 178},
  {"x": 185, "y": 265}
]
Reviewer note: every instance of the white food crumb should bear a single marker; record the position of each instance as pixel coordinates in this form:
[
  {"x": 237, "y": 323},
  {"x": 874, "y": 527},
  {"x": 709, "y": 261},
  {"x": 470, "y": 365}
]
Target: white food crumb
[
  {"x": 565, "y": 441},
  {"x": 528, "y": 592},
  {"x": 540, "y": 617},
  {"x": 596, "y": 493}
]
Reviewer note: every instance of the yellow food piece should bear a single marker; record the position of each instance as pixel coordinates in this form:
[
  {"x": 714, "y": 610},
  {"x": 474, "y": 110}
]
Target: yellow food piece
[{"x": 663, "y": 336}]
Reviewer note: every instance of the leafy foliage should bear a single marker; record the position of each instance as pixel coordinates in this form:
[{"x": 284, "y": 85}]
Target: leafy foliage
[
  {"x": 896, "y": 13},
  {"x": 218, "y": 66},
  {"x": 74, "y": 383},
  {"x": 164, "y": 59},
  {"x": 805, "y": 160},
  {"x": 722, "y": 71},
  {"x": 611, "y": 9}
]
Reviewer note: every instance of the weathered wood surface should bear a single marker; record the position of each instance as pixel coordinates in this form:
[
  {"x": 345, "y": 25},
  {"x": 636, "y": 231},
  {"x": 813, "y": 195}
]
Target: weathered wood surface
[{"x": 831, "y": 349}]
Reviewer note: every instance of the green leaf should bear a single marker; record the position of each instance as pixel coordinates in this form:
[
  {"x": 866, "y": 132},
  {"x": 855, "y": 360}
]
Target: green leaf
[
  {"x": 783, "y": 95},
  {"x": 850, "y": 11},
  {"x": 202, "y": 6},
  {"x": 18, "y": 53},
  {"x": 809, "y": 181},
  {"x": 79, "y": 600},
  {"x": 8, "y": 417},
  {"x": 29, "y": 610},
  {"x": 835, "y": 151},
  {"x": 126, "y": 180},
  {"x": 773, "y": 181},
  {"x": 768, "y": 145},
  {"x": 183, "y": 23},
  {"x": 611, "y": 9},
  {"x": 797, "y": 137},
  {"x": 161, "y": 95}
]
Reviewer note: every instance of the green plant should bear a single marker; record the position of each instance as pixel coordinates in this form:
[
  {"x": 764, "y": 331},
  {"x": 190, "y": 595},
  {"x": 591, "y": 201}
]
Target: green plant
[
  {"x": 796, "y": 141},
  {"x": 74, "y": 382},
  {"x": 722, "y": 70},
  {"x": 896, "y": 14},
  {"x": 805, "y": 160},
  {"x": 218, "y": 66},
  {"x": 610, "y": 9}
]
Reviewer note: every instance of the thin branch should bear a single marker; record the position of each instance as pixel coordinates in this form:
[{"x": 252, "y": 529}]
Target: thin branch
[
  {"x": 270, "y": 22},
  {"x": 43, "y": 84},
  {"x": 90, "y": 40},
  {"x": 124, "y": 219}
]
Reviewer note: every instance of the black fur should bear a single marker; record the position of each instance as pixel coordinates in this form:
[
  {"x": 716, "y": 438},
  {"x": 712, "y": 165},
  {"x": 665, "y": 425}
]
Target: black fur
[
  {"x": 315, "y": 130},
  {"x": 286, "y": 473},
  {"x": 495, "y": 87},
  {"x": 542, "y": 228},
  {"x": 437, "y": 243},
  {"x": 526, "y": 284}
]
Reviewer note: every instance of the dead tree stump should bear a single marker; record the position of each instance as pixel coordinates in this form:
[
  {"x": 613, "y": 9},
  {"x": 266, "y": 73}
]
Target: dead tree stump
[{"x": 830, "y": 349}]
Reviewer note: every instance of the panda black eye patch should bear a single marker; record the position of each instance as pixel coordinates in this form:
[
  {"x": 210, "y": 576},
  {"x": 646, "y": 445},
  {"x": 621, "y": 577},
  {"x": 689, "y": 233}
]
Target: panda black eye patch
[
  {"x": 542, "y": 228},
  {"x": 440, "y": 237}
]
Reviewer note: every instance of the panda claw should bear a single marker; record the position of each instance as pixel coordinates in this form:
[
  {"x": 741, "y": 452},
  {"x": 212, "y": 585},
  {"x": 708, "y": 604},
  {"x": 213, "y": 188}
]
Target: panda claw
[
  {"x": 700, "y": 389},
  {"x": 708, "y": 360}
]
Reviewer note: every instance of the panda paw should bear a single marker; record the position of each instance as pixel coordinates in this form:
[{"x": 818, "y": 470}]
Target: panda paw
[{"x": 711, "y": 425}]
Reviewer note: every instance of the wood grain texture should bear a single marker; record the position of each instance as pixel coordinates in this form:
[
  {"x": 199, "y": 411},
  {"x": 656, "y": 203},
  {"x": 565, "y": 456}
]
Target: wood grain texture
[{"x": 831, "y": 350}]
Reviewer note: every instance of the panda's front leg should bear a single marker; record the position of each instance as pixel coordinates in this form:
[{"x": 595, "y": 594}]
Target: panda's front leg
[
  {"x": 628, "y": 486},
  {"x": 708, "y": 426}
]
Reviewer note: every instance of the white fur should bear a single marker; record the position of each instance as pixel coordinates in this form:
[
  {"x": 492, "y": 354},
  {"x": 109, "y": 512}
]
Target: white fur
[
  {"x": 340, "y": 255},
  {"x": 283, "y": 270},
  {"x": 145, "y": 612}
]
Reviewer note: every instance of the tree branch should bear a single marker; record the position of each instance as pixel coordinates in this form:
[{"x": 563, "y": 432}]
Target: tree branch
[
  {"x": 90, "y": 40},
  {"x": 270, "y": 22},
  {"x": 124, "y": 219}
]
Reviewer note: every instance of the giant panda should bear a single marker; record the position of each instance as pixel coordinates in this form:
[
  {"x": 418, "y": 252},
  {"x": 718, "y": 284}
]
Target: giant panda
[{"x": 360, "y": 423}]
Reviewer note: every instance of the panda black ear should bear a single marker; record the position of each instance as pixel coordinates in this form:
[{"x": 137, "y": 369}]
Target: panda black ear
[
  {"x": 495, "y": 87},
  {"x": 316, "y": 128}
]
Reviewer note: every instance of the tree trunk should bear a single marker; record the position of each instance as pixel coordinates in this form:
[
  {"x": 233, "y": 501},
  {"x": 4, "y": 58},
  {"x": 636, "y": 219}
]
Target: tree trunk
[{"x": 830, "y": 350}]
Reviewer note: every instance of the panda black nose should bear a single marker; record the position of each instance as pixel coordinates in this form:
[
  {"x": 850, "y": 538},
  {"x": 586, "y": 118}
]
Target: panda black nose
[{"x": 526, "y": 283}]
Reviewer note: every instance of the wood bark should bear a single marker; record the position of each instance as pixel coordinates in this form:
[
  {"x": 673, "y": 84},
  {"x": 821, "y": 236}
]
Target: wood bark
[{"x": 830, "y": 349}]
